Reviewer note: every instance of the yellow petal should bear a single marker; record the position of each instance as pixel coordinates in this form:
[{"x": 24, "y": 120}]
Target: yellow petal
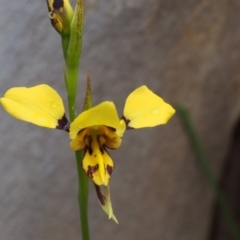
[
  {"x": 97, "y": 163},
  {"x": 78, "y": 143},
  {"x": 104, "y": 114},
  {"x": 109, "y": 138},
  {"x": 105, "y": 201},
  {"x": 40, "y": 105},
  {"x": 143, "y": 108}
]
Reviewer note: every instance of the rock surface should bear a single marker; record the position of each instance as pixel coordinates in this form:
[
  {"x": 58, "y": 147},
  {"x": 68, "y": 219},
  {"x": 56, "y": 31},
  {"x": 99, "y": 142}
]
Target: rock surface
[{"x": 188, "y": 52}]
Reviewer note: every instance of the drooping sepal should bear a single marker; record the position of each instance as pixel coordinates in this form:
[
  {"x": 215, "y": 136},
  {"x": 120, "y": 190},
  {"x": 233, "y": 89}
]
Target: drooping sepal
[
  {"x": 40, "y": 105},
  {"x": 143, "y": 108},
  {"x": 105, "y": 201}
]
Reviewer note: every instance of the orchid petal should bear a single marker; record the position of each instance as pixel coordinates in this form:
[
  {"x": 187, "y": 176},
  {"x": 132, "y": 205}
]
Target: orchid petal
[
  {"x": 40, "y": 105},
  {"x": 143, "y": 108},
  {"x": 104, "y": 114},
  {"x": 109, "y": 138},
  {"x": 78, "y": 143}
]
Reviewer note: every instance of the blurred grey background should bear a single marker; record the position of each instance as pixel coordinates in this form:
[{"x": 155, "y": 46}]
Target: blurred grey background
[{"x": 186, "y": 51}]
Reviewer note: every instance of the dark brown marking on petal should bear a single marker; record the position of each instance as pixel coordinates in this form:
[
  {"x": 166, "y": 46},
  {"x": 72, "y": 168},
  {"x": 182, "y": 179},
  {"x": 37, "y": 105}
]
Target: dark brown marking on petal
[
  {"x": 101, "y": 197},
  {"x": 57, "y": 4},
  {"x": 113, "y": 129},
  {"x": 89, "y": 145},
  {"x": 63, "y": 124},
  {"x": 127, "y": 121},
  {"x": 100, "y": 147},
  {"x": 81, "y": 131},
  {"x": 90, "y": 151},
  {"x": 91, "y": 170},
  {"x": 109, "y": 169}
]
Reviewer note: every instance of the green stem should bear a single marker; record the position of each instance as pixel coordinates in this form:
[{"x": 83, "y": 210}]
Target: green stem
[
  {"x": 83, "y": 183},
  {"x": 83, "y": 196},
  {"x": 72, "y": 77},
  {"x": 203, "y": 160},
  {"x": 72, "y": 46}
]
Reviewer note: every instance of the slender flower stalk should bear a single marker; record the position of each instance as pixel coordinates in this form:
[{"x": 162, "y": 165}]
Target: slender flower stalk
[
  {"x": 72, "y": 47},
  {"x": 83, "y": 181},
  {"x": 69, "y": 25}
]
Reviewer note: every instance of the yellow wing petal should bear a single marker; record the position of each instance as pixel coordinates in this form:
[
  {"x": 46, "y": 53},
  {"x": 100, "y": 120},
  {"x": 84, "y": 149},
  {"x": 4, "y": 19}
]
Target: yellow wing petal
[
  {"x": 40, "y": 105},
  {"x": 143, "y": 108},
  {"x": 104, "y": 114}
]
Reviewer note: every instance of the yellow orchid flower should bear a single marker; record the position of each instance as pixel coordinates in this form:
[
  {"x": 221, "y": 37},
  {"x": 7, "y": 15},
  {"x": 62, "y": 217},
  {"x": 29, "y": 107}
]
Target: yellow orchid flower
[{"x": 94, "y": 130}]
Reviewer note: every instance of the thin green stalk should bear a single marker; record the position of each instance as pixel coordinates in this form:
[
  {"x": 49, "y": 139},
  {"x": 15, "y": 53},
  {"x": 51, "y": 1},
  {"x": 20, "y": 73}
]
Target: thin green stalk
[
  {"x": 69, "y": 24},
  {"x": 83, "y": 182},
  {"x": 72, "y": 46},
  {"x": 83, "y": 196},
  {"x": 72, "y": 77},
  {"x": 204, "y": 162}
]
